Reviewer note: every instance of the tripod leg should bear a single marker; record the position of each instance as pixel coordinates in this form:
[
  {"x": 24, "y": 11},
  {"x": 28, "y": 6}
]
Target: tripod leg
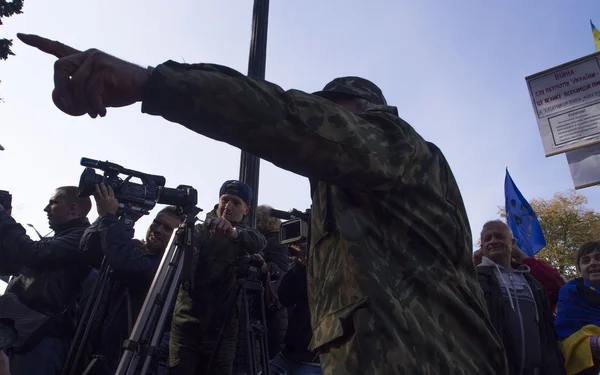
[
  {"x": 264, "y": 333},
  {"x": 80, "y": 340},
  {"x": 172, "y": 285},
  {"x": 222, "y": 330},
  {"x": 250, "y": 355},
  {"x": 130, "y": 356}
]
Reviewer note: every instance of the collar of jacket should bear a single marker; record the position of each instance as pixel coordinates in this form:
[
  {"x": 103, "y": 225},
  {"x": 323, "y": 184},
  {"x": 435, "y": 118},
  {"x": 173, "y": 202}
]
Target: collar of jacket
[
  {"x": 516, "y": 267},
  {"x": 75, "y": 223}
]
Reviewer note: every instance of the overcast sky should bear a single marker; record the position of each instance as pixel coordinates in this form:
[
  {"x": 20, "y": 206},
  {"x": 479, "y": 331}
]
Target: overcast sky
[{"x": 454, "y": 69}]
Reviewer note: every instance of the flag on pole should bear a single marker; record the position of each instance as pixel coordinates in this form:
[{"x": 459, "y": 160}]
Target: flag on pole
[
  {"x": 522, "y": 220},
  {"x": 596, "y": 35}
]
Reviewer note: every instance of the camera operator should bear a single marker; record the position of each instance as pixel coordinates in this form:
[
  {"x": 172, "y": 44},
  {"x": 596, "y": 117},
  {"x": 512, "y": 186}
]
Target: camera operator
[
  {"x": 133, "y": 266},
  {"x": 276, "y": 265},
  {"x": 41, "y": 298},
  {"x": 201, "y": 311},
  {"x": 295, "y": 358}
]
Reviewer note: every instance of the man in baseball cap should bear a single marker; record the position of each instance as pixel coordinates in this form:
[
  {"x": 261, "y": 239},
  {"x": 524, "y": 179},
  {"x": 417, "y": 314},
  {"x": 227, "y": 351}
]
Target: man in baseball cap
[
  {"x": 391, "y": 284},
  {"x": 235, "y": 198},
  {"x": 201, "y": 311}
]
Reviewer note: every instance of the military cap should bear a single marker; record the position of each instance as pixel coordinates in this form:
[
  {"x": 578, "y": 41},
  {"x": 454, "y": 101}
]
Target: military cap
[
  {"x": 354, "y": 87},
  {"x": 237, "y": 188}
]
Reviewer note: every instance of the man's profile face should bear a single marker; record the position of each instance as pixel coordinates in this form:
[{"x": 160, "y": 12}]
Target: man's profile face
[
  {"x": 232, "y": 207},
  {"x": 496, "y": 242},
  {"x": 58, "y": 210},
  {"x": 160, "y": 231}
]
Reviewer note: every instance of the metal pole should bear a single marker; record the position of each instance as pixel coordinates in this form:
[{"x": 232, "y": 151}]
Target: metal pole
[{"x": 250, "y": 164}]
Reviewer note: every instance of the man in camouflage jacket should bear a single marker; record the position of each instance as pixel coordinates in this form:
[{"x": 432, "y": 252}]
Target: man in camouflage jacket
[
  {"x": 392, "y": 288},
  {"x": 208, "y": 305}
]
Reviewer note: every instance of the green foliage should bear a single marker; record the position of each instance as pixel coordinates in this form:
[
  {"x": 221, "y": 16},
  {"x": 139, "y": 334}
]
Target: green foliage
[
  {"x": 7, "y": 9},
  {"x": 567, "y": 224}
]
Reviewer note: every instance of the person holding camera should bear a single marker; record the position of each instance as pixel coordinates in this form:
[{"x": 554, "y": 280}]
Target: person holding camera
[
  {"x": 132, "y": 269},
  {"x": 277, "y": 264},
  {"x": 203, "y": 306},
  {"x": 391, "y": 283},
  {"x": 296, "y": 358},
  {"x": 41, "y": 298}
]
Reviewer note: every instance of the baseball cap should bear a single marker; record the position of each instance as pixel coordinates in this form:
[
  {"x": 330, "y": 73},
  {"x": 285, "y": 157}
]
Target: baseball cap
[
  {"x": 355, "y": 87},
  {"x": 237, "y": 188}
]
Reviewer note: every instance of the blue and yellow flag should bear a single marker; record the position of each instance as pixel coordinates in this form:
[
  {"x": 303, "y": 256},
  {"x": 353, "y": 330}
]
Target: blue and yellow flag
[
  {"x": 522, "y": 220},
  {"x": 596, "y": 35}
]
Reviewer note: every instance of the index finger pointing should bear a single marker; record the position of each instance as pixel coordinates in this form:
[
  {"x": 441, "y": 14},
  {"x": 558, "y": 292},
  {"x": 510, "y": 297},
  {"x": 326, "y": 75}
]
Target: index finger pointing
[{"x": 46, "y": 45}]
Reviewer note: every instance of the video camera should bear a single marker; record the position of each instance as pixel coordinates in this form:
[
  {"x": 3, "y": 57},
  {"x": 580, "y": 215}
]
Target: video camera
[
  {"x": 296, "y": 227},
  {"x": 248, "y": 267},
  {"x": 134, "y": 198},
  {"x": 5, "y": 200}
]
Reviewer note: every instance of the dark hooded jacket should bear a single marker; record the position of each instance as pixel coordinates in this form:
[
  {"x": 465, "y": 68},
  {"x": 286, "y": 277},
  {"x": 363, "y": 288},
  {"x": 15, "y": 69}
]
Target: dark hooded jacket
[
  {"x": 131, "y": 273},
  {"x": 48, "y": 273},
  {"x": 519, "y": 310},
  {"x": 276, "y": 257}
]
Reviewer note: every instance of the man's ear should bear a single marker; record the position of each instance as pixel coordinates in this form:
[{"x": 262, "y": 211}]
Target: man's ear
[
  {"x": 247, "y": 211},
  {"x": 74, "y": 208}
]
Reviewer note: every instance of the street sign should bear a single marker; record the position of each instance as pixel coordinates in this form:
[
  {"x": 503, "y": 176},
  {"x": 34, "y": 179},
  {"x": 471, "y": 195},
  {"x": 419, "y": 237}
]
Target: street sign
[{"x": 566, "y": 102}]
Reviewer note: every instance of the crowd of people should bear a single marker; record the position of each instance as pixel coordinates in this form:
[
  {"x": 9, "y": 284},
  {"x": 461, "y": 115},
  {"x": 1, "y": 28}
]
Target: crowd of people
[
  {"x": 543, "y": 324},
  {"x": 389, "y": 286},
  {"x": 52, "y": 283}
]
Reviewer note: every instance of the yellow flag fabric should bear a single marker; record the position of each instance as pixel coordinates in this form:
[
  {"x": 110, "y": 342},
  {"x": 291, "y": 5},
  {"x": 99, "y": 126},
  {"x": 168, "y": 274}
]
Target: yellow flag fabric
[
  {"x": 576, "y": 349},
  {"x": 596, "y": 35}
]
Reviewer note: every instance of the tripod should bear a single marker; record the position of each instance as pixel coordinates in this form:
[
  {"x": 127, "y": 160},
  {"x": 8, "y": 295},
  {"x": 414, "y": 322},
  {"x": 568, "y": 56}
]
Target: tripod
[
  {"x": 252, "y": 353},
  {"x": 148, "y": 328},
  {"x": 84, "y": 329}
]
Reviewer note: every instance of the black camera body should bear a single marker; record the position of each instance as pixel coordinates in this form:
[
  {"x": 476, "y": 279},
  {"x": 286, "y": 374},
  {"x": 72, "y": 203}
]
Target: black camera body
[
  {"x": 248, "y": 268},
  {"x": 293, "y": 231},
  {"x": 296, "y": 228},
  {"x": 5, "y": 199},
  {"x": 140, "y": 198}
]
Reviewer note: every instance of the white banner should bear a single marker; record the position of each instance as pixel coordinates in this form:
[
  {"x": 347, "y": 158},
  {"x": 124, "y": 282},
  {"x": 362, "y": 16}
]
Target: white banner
[
  {"x": 566, "y": 101},
  {"x": 584, "y": 164}
]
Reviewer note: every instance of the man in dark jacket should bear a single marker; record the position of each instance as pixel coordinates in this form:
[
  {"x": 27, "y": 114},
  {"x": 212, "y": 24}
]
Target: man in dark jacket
[
  {"x": 47, "y": 280},
  {"x": 296, "y": 358},
  {"x": 391, "y": 283},
  {"x": 202, "y": 307},
  {"x": 276, "y": 265},
  {"x": 132, "y": 269},
  {"x": 518, "y": 306}
]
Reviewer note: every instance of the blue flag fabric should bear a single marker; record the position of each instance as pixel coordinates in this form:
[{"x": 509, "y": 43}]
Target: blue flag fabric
[{"x": 522, "y": 220}]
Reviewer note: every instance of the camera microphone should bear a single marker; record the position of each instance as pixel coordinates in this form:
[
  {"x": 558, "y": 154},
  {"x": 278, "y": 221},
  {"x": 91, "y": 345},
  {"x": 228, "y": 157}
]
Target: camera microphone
[{"x": 36, "y": 231}]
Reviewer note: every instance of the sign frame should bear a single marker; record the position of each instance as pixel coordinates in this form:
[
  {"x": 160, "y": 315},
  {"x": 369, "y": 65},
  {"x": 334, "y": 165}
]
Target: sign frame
[{"x": 566, "y": 103}]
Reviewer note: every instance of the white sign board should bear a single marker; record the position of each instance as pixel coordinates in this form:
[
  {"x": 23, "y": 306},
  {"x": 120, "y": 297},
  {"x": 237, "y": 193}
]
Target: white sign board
[
  {"x": 584, "y": 164},
  {"x": 566, "y": 101}
]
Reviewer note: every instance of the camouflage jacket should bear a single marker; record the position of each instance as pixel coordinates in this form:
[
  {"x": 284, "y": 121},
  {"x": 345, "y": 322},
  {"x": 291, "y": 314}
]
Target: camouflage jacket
[
  {"x": 389, "y": 227},
  {"x": 215, "y": 256},
  {"x": 215, "y": 271}
]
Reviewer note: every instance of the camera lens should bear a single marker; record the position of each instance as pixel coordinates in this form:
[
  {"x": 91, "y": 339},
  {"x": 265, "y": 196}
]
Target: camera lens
[{"x": 87, "y": 182}]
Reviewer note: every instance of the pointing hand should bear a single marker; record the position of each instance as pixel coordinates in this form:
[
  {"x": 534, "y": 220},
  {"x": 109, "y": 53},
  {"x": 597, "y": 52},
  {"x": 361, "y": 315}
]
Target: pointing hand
[{"x": 90, "y": 81}]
